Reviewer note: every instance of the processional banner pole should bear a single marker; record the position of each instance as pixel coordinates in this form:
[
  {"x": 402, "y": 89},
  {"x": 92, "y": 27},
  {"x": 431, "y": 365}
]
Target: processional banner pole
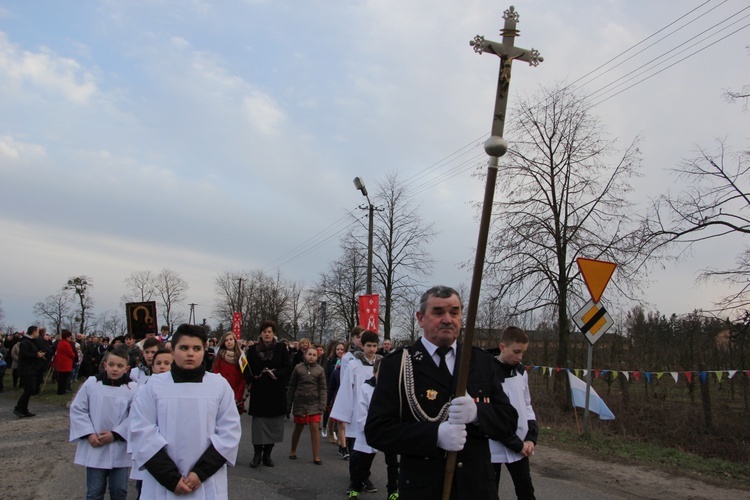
[{"x": 495, "y": 147}]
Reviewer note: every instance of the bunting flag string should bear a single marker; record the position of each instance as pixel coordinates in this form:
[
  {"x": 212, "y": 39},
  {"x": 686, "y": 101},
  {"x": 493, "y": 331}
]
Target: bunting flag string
[{"x": 636, "y": 374}]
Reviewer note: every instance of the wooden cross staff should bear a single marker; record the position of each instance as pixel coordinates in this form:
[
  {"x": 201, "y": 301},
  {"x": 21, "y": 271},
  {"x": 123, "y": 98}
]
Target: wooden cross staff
[{"x": 495, "y": 147}]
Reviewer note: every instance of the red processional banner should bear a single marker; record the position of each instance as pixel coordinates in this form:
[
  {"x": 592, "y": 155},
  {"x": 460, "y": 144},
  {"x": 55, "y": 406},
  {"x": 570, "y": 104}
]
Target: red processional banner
[
  {"x": 369, "y": 307},
  {"x": 237, "y": 324}
]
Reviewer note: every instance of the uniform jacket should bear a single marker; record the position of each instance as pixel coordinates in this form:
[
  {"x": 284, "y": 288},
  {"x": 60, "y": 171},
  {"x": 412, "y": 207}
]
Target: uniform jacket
[
  {"x": 392, "y": 427},
  {"x": 268, "y": 394},
  {"x": 307, "y": 390},
  {"x": 28, "y": 361}
]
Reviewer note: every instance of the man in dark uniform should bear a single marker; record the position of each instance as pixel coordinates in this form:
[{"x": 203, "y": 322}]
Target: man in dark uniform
[
  {"x": 30, "y": 359},
  {"x": 413, "y": 412}
]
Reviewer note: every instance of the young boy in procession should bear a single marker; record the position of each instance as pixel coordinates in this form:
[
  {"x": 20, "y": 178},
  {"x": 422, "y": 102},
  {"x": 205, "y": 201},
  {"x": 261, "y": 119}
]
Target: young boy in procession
[
  {"x": 99, "y": 423},
  {"x": 161, "y": 363},
  {"x": 357, "y": 371},
  {"x": 355, "y": 346},
  {"x": 516, "y": 451},
  {"x": 184, "y": 425},
  {"x": 363, "y": 454},
  {"x": 142, "y": 372}
]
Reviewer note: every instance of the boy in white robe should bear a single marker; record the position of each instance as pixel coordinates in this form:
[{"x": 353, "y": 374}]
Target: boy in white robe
[
  {"x": 361, "y": 461},
  {"x": 516, "y": 451},
  {"x": 345, "y": 408},
  {"x": 98, "y": 422},
  {"x": 162, "y": 363},
  {"x": 141, "y": 373},
  {"x": 184, "y": 426}
]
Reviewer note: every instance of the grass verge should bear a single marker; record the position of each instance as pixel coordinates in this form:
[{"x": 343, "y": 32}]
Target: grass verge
[{"x": 671, "y": 460}]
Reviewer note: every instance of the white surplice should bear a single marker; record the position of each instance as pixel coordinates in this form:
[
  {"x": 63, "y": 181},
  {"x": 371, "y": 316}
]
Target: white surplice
[
  {"x": 186, "y": 418},
  {"x": 100, "y": 408},
  {"x": 517, "y": 390}
]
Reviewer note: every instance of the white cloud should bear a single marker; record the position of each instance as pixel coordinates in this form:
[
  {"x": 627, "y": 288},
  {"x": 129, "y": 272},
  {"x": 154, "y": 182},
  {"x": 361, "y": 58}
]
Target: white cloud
[
  {"x": 179, "y": 42},
  {"x": 14, "y": 151},
  {"x": 46, "y": 70}
]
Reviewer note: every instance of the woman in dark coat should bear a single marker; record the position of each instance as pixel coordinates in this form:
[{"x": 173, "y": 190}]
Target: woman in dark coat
[{"x": 269, "y": 365}]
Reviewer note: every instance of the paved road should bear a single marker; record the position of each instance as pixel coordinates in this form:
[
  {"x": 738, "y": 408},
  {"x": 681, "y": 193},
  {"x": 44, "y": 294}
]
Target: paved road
[{"x": 36, "y": 463}]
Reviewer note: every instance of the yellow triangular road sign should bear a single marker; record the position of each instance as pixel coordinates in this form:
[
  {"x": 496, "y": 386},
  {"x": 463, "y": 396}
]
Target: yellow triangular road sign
[{"x": 596, "y": 274}]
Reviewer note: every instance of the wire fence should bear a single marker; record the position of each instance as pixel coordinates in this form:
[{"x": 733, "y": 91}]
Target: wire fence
[{"x": 705, "y": 412}]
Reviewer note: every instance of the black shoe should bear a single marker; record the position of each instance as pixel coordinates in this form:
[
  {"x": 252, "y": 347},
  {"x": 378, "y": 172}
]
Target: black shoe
[
  {"x": 29, "y": 414},
  {"x": 268, "y": 462},
  {"x": 19, "y": 413},
  {"x": 369, "y": 487},
  {"x": 255, "y": 461}
]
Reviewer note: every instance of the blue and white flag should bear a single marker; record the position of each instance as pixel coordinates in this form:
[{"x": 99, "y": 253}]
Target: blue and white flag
[{"x": 596, "y": 404}]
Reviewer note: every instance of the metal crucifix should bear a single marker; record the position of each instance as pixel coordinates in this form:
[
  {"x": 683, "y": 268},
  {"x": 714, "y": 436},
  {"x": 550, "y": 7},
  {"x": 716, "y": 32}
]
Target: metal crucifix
[{"x": 495, "y": 147}]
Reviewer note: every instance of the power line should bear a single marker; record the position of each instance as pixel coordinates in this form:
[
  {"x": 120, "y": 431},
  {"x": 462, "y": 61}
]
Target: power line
[
  {"x": 417, "y": 184},
  {"x": 644, "y": 40},
  {"x": 673, "y": 64},
  {"x": 645, "y": 67}
]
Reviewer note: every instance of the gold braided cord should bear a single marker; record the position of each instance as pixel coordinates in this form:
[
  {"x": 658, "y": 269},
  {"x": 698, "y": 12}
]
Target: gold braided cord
[{"x": 407, "y": 376}]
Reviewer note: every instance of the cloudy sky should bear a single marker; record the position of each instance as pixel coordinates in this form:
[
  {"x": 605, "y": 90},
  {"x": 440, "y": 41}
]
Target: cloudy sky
[{"x": 208, "y": 136}]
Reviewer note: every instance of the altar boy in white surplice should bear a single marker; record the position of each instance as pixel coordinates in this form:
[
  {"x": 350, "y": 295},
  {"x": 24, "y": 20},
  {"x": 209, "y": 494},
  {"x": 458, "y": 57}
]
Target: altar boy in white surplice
[{"x": 184, "y": 424}]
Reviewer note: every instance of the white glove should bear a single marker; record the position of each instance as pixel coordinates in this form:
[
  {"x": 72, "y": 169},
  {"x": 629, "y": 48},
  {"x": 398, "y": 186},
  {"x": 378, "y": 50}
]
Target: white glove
[
  {"x": 451, "y": 437},
  {"x": 462, "y": 410}
]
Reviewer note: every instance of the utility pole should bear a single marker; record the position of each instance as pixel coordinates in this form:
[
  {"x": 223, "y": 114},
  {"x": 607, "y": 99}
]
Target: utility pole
[
  {"x": 495, "y": 147},
  {"x": 360, "y": 185},
  {"x": 239, "y": 295},
  {"x": 191, "y": 318}
]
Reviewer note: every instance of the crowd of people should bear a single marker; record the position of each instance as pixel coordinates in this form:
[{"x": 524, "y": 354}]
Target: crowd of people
[{"x": 363, "y": 396}]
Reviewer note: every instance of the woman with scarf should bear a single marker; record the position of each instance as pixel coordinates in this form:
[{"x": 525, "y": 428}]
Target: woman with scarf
[
  {"x": 269, "y": 366},
  {"x": 227, "y": 364}
]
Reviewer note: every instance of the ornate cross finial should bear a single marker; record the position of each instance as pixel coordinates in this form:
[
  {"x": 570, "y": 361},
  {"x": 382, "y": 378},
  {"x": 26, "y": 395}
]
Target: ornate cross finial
[{"x": 511, "y": 14}]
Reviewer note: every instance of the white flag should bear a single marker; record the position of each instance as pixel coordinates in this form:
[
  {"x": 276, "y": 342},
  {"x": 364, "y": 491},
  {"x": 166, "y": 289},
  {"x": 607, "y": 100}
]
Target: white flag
[{"x": 596, "y": 404}]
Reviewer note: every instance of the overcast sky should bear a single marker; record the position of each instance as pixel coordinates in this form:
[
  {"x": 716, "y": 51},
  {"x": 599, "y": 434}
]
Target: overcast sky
[{"x": 209, "y": 136}]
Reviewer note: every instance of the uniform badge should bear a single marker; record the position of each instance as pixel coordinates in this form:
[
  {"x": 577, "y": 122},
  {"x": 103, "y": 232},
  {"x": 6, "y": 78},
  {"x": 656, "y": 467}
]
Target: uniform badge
[{"x": 431, "y": 394}]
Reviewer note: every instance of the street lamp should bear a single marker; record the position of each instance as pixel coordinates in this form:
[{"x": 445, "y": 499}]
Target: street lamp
[{"x": 360, "y": 185}]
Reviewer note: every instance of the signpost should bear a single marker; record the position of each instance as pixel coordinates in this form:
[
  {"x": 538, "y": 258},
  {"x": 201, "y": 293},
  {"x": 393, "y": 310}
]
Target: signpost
[{"x": 593, "y": 319}]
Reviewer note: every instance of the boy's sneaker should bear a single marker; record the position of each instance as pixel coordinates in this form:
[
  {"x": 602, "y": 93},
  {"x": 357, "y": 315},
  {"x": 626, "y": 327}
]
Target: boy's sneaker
[
  {"x": 393, "y": 496},
  {"x": 324, "y": 432},
  {"x": 369, "y": 487},
  {"x": 353, "y": 494},
  {"x": 19, "y": 414}
]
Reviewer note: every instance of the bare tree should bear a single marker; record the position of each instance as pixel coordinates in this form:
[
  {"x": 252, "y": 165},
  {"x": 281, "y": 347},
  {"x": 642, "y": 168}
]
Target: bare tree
[
  {"x": 171, "y": 289},
  {"x": 294, "y": 313},
  {"x": 111, "y": 324},
  {"x": 564, "y": 188},
  {"x": 741, "y": 95},
  {"x": 257, "y": 296},
  {"x": 400, "y": 255},
  {"x": 141, "y": 286},
  {"x": 54, "y": 308},
  {"x": 80, "y": 286},
  {"x": 2, "y": 314},
  {"x": 230, "y": 294},
  {"x": 342, "y": 284},
  {"x": 715, "y": 204}
]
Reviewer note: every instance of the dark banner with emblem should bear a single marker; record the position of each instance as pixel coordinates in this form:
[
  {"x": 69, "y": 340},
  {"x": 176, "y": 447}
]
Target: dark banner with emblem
[{"x": 141, "y": 318}]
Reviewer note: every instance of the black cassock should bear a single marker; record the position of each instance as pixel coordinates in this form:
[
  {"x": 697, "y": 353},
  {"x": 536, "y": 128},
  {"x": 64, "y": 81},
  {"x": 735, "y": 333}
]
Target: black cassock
[{"x": 396, "y": 426}]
